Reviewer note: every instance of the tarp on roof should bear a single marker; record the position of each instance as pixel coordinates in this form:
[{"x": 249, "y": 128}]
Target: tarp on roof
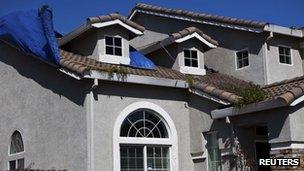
[
  {"x": 33, "y": 32},
  {"x": 138, "y": 60}
]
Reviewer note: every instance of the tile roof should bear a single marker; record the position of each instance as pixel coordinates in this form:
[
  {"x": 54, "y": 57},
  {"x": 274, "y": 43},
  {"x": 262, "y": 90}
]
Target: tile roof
[
  {"x": 174, "y": 36},
  {"x": 211, "y": 83},
  {"x": 200, "y": 16},
  {"x": 115, "y": 16},
  {"x": 190, "y": 30},
  {"x": 288, "y": 90}
]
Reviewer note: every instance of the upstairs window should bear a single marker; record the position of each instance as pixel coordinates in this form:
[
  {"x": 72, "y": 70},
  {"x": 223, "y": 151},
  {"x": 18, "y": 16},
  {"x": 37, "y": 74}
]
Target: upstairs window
[
  {"x": 191, "y": 59},
  {"x": 113, "y": 46},
  {"x": 242, "y": 59},
  {"x": 284, "y": 55}
]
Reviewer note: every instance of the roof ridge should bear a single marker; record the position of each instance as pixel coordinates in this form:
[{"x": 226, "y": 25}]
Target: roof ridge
[
  {"x": 200, "y": 15},
  {"x": 114, "y": 16}
]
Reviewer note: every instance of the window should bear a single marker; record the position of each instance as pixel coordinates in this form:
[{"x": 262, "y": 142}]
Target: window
[
  {"x": 214, "y": 154},
  {"x": 242, "y": 59},
  {"x": 113, "y": 46},
  {"x": 190, "y": 57},
  {"x": 16, "y": 147},
  {"x": 284, "y": 55},
  {"x": 16, "y": 143},
  {"x": 144, "y": 125}
]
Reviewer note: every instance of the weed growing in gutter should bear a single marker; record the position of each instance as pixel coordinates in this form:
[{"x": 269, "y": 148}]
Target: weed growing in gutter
[{"x": 250, "y": 93}]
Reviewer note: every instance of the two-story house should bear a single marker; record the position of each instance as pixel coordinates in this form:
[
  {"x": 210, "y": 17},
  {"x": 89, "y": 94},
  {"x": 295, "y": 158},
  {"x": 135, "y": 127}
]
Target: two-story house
[{"x": 162, "y": 90}]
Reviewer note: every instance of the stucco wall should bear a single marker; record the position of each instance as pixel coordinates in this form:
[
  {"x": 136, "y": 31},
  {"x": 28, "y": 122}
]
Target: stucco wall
[
  {"x": 278, "y": 71},
  {"x": 47, "y": 107},
  {"x": 230, "y": 41},
  {"x": 114, "y": 97},
  {"x": 92, "y": 42}
]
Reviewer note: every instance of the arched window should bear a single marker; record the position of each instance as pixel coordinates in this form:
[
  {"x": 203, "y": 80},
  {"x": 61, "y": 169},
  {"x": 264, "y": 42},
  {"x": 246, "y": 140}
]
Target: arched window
[
  {"x": 16, "y": 143},
  {"x": 16, "y": 147},
  {"x": 143, "y": 124},
  {"x": 145, "y": 142}
]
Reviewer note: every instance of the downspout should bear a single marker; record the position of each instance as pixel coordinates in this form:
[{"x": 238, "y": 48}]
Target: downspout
[
  {"x": 91, "y": 126},
  {"x": 266, "y": 69}
]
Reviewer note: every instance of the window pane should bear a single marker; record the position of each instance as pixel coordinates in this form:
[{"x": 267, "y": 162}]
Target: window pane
[
  {"x": 187, "y": 53},
  {"x": 20, "y": 164},
  {"x": 143, "y": 124},
  {"x": 187, "y": 62},
  {"x": 12, "y": 165},
  {"x": 131, "y": 158},
  {"x": 288, "y": 60},
  {"x": 194, "y": 63},
  {"x": 117, "y": 41},
  {"x": 246, "y": 62},
  {"x": 287, "y": 51},
  {"x": 118, "y": 51},
  {"x": 194, "y": 54},
  {"x": 281, "y": 50},
  {"x": 282, "y": 59},
  {"x": 109, "y": 40},
  {"x": 16, "y": 143},
  {"x": 109, "y": 50},
  {"x": 158, "y": 158}
]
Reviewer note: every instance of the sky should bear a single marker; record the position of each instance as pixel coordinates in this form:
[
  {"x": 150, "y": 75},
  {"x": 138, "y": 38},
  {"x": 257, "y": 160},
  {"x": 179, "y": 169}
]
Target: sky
[{"x": 68, "y": 14}]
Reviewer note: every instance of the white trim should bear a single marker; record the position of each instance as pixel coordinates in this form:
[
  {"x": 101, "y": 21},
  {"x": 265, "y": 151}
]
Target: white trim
[
  {"x": 113, "y": 59},
  {"x": 289, "y": 146},
  {"x": 72, "y": 74},
  {"x": 283, "y": 30},
  {"x": 207, "y": 96},
  {"x": 117, "y": 21},
  {"x": 192, "y": 70},
  {"x": 138, "y": 79},
  {"x": 195, "y": 35},
  {"x": 291, "y": 58},
  {"x": 297, "y": 101},
  {"x": 117, "y": 140}
]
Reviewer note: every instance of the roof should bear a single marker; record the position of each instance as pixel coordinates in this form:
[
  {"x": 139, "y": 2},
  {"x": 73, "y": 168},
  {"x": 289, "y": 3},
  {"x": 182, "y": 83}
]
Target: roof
[
  {"x": 173, "y": 37},
  {"x": 115, "y": 16},
  {"x": 199, "y": 16},
  {"x": 211, "y": 83},
  {"x": 288, "y": 90},
  {"x": 102, "y": 21}
]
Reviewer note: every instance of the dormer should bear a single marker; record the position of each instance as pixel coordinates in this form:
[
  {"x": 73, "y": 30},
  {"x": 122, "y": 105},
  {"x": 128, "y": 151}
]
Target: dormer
[
  {"x": 104, "y": 38},
  {"x": 182, "y": 51}
]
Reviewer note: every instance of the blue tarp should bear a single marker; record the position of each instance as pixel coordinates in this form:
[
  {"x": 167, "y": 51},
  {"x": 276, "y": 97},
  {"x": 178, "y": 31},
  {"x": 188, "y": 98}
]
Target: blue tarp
[
  {"x": 138, "y": 60},
  {"x": 31, "y": 31}
]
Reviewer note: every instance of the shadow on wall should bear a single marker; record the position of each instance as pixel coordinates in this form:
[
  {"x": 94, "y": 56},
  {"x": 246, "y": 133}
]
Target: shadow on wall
[
  {"x": 45, "y": 75},
  {"x": 123, "y": 90}
]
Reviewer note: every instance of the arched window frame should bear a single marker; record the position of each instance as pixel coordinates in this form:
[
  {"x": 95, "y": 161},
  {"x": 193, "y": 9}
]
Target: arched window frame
[
  {"x": 10, "y": 141},
  {"x": 171, "y": 141},
  {"x": 16, "y": 156}
]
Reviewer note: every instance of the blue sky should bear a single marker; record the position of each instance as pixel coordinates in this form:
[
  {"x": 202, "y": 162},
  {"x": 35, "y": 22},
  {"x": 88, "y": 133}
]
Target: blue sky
[{"x": 68, "y": 14}]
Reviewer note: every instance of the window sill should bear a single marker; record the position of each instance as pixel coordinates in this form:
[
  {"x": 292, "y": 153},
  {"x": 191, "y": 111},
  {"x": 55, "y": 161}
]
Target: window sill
[
  {"x": 114, "y": 59},
  {"x": 192, "y": 70}
]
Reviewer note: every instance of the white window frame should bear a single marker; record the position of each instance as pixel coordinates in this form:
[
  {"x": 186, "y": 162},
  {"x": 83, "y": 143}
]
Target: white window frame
[
  {"x": 171, "y": 142},
  {"x": 105, "y": 45},
  {"x": 197, "y": 54},
  {"x": 16, "y": 161},
  {"x": 291, "y": 58},
  {"x": 15, "y": 156},
  {"x": 236, "y": 59}
]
